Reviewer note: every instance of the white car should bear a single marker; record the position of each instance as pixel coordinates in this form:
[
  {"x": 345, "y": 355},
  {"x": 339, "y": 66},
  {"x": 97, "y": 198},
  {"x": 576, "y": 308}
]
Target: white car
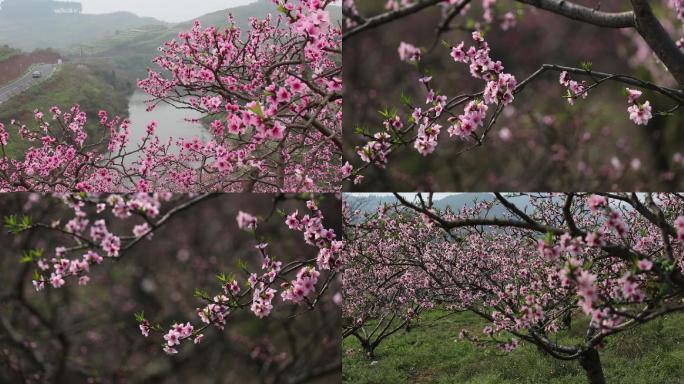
[{"x": 36, "y": 75}]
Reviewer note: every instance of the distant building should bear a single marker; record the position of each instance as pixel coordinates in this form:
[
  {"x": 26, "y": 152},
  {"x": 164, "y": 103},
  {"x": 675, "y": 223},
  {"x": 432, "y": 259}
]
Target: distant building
[{"x": 32, "y": 8}]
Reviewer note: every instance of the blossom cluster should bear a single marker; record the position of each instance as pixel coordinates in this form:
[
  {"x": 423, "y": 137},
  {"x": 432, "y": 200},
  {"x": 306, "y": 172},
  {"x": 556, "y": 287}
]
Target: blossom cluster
[
  {"x": 303, "y": 286},
  {"x": 640, "y": 114},
  {"x": 246, "y": 221},
  {"x": 315, "y": 234},
  {"x": 176, "y": 334},
  {"x": 270, "y": 95},
  {"x": 575, "y": 89},
  {"x": 259, "y": 291},
  {"x": 290, "y": 82},
  {"x": 93, "y": 240},
  {"x": 602, "y": 264},
  {"x": 499, "y": 90}
]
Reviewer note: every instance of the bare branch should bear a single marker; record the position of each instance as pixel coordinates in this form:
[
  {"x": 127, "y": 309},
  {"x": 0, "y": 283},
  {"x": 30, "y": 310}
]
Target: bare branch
[
  {"x": 658, "y": 39},
  {"x": 585, "y": 14}
]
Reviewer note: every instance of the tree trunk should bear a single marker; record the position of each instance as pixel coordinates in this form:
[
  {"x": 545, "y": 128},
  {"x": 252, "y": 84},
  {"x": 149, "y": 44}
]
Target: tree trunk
[
  {"x": 370, "y": 351},
  {"x": 591, "y": 362},
  {"x": 369, "y": 348}
]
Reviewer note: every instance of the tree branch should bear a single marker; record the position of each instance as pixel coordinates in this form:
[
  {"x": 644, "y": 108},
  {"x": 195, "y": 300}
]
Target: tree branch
[
  {"x": 585, "y": 14},
  {"x": 658, "y": 39},
  {"x": 387, "y": 17}
]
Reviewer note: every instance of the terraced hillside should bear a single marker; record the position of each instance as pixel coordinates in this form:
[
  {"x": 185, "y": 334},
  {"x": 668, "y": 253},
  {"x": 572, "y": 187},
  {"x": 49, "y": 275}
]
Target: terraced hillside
[{"x": 65, "y": 30}]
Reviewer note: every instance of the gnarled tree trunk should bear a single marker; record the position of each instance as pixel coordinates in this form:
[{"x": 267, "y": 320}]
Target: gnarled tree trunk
[{"x": 591, "y": 362}]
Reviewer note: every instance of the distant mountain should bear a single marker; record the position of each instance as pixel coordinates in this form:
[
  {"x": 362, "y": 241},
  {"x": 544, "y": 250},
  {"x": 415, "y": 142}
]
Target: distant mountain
[
  {"x": 370, "y": 203},
  {"x": 62, "y": 30},
  {"x": 145, "y": 41}
]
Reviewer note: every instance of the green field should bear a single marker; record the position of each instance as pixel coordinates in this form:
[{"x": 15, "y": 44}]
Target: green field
[
  {"x": 93, "y": 88},
  {"x": 432, "y": 353}
]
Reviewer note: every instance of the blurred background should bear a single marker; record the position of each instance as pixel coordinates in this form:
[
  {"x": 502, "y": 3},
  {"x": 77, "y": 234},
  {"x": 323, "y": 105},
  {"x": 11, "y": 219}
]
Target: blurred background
[
  {"x": 90, "y": 333},
  {"x": 540, "y": 142}
]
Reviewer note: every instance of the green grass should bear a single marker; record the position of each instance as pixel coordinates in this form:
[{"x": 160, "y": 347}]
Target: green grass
[
  {"x": 93, "y": 88},
  {"x": 432, "y": 353}
]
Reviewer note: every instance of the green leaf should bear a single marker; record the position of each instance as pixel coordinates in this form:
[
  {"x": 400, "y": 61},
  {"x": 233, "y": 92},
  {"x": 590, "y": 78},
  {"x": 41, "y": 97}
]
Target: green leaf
[
  {"x": 405, "y": 99},
  {"x": 549, "y": 238},
  {"x": 586, "y": 65},
  {"x": 221, "y": 277},
  {"x": 387, "y": 113},
  {"x": 201, "y": 294},
  {"x": 361, "y": 130},
  {"x": 140, "y": 316},
  {"x": 256, "y": 108},
  {"x": 282, "y": 9},
  {"x": 31, "y": 255},
  {"x": 16, "y": 227},
  {"x": 242, "y": 265},
  {"x": 225, "y": 278}
]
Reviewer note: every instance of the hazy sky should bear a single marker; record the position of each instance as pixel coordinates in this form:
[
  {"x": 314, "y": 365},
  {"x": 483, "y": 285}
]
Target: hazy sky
[{"x": 166, "y": 10}]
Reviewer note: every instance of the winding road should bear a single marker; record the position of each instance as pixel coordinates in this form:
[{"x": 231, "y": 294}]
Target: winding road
[{"x": 26, "y": 81}]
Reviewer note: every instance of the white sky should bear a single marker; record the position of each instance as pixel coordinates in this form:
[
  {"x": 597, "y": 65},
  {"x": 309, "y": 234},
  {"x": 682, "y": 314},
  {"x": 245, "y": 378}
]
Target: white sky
[{"x": 166, "y": 10}]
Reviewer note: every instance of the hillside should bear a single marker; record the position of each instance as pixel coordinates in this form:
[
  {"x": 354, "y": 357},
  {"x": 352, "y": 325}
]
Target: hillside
[
  {"x": 66, "y": 30},
  {"x": 122, "y": 39},
  {"x": 133, "y": 49},
  {"x": 7, "y": 52},
  {"x": 90, "y": 87},
  {"x": 146, "y": 40}
]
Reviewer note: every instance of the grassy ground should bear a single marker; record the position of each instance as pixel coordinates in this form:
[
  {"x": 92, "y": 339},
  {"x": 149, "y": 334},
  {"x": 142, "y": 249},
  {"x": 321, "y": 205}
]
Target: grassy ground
[
  {"x": 432, "y": 353},
  {"x": 93, "y": 88}
]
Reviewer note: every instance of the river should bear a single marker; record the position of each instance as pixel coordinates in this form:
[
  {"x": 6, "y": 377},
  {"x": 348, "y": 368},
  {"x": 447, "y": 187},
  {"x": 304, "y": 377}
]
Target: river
[{"x": 170, "y": 121}]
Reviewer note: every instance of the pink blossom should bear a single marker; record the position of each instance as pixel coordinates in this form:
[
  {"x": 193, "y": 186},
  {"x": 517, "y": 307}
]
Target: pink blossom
[
  {"x": 56, "y": 280},
  {"x": 597, "y": 201},
  {"x": 145, "y": 328},
  {"x": 632, "y": 95},
  {"x": 640, "y": 114},
  {"x": 246, "y": 221},
  {"x": 408, "y": 52}
]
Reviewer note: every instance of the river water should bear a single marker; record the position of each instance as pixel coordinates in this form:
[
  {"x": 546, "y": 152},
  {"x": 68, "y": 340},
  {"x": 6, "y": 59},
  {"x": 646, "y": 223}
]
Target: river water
[{"x": 171, "y": 121}]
